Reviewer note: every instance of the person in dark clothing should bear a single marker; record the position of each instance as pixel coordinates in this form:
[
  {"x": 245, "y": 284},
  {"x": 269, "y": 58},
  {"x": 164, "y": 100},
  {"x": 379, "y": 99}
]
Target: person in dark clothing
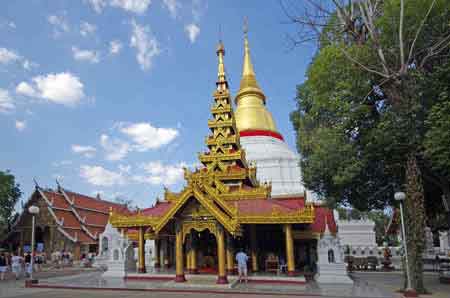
[
  {"x": 28, "y": 263},
  {"x": 3, "y": 266}
]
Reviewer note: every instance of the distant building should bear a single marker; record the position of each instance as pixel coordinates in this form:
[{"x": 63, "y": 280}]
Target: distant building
[{"x": 66, "y": 221}]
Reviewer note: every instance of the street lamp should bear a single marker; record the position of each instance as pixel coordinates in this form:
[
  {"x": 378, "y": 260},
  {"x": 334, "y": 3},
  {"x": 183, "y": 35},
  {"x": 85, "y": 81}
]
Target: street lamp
[
  {"x": 34, "y": 210},
  {"x": 400, "y": 196}
]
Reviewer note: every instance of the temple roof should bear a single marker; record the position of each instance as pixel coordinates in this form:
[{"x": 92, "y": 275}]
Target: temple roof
[
  {"x": 323, "y": 215},
  {"x": 268, "y": 207},
  {"x": 79, "y": 217}
]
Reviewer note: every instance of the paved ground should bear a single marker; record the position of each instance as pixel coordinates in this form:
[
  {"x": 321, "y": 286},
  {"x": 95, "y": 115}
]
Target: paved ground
[{"x": 380, "y": 285}]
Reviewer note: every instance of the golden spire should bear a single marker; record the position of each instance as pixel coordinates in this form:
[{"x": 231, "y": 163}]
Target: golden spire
[
  {"x": 248, "y": 80},
  {"x": 221, "y": 83},
  {"x": 251, "y": 113}
]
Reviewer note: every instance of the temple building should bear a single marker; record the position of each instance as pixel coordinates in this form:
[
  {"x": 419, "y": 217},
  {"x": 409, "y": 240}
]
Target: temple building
[
  {"x": 246, "y": 195},
  {"x": 67, "y": 221}
]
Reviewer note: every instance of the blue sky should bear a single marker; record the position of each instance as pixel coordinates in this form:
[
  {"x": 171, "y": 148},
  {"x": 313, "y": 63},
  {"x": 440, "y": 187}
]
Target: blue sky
[{"x": 113, "y": 96}]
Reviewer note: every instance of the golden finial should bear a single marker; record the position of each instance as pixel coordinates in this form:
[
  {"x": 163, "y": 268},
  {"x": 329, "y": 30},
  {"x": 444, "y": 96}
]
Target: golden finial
[
  {"x": 245, "y": 26},
  {"x": 248, "y": 79},
  {"x": 221, "y": 76}
]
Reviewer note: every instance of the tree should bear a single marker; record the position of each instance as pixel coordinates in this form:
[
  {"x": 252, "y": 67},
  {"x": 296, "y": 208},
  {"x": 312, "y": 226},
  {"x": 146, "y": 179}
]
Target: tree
[
  {"x": 361, "y": 116},
  {"x": 9, "y": 196}
]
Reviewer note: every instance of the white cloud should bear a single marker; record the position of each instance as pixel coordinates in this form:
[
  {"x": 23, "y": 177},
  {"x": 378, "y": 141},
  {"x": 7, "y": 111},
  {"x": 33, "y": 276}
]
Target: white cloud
[
  {"x": 192, "y": 31},
  {"x": 8, "y": 56},
  {"x": 97, "y": 5},
  {"x": 61, "y": 88},
  {"x": 85, "y": 55},
  {"x": 198, "y": 9},
  {"x": 158, "y": 173},
  {"x": 87, "y": 28},
  {"x": 8, "y": 25},
  {"x": 172, "y": 6},
  {"x": 20, "y": 125},
  {"x": 59, "y": 23},
  {"x": 115, "y": 149},
  {"x": 28, "y": 64},
  {"x": 145, "y": 43},
  {"x": 86, "y": 151},
  {"x": 6, "y": 102},
  {"x": 115, "y": 46},
  {"x": 99, "y": 176},
  {"x": 145, "y": 136},
  {"x": 26, "y": 89},
  {"x": 124, "y": 168},
  {"x": 135, "y": 6}
]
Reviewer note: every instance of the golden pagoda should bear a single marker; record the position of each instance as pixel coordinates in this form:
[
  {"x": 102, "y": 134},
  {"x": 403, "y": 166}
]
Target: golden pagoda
[
  {"x": 223, "y": 206},
  {"x": 251, "y": 112}
]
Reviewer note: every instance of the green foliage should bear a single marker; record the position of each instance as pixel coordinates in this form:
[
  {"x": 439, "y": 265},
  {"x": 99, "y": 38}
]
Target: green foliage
[
  {"x": 9, "y": 195},
  {"x": 437, "y": 137},
  {"x": 354, "y": 131},
  {"x": 368, "y": 124}
]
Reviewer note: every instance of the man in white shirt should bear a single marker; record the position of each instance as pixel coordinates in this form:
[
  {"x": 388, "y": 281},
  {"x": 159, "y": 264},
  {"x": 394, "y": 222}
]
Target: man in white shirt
[{"x": 241, "y": 259}]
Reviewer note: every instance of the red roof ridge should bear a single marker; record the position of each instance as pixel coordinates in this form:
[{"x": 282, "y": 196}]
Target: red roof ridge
[{"x": 94, "y": 198}]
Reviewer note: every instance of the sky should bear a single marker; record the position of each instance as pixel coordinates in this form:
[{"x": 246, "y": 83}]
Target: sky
[{"x": 113, "y": 96}]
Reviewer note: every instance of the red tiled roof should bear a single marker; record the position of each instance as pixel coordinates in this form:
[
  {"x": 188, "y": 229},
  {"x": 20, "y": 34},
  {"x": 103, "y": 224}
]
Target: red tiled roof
[
  {"x": 264, "y": 206},
  {"x": 80, "y": 235},
  {"x": 57, "y": 200},
  {"x": 93, "y": 211},
  {"x": 159, "y": 209},
  {"x": 69, "y": 219},
  {"x": 93, "y": 218},
  {"x": 82, "y": 201},
  {"x": 319, "y": 221}
]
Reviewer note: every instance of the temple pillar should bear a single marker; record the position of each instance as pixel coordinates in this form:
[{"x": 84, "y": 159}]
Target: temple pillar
[
  {"x": 289, "y": 249},
  {"x": 253, "y": 248},
  {"x": 222, "y": 274},
  {"x": 230, "y": 255},
  {"x": 141, "y": 250},
  {"x": 179, "y": 264},
  {"x": 157, "y": 253},
  {"x": 193, "y": 255},
  {"x": 188, "y": 255},
  {"x": 165, "y": 251}
]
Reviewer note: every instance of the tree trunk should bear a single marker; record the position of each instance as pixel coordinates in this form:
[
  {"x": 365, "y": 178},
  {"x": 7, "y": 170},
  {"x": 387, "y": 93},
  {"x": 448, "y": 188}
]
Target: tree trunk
[{"x": 415, "y": 222}]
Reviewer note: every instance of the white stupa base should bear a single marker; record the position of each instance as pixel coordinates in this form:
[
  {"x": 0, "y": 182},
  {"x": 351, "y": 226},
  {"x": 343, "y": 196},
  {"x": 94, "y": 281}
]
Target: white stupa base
[
  {"x": 275, "y": 163},
  {"x": 115, "y": 269},
  {"x": 333, "y": 273}
]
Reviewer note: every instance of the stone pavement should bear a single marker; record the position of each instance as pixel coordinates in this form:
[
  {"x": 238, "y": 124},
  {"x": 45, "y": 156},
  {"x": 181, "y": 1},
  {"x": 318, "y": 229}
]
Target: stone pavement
[{"x": 377, "y": 285}]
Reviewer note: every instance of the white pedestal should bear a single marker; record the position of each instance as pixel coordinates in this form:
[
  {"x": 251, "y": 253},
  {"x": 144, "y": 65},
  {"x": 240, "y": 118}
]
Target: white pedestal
[{"x": 333, "y": 273}]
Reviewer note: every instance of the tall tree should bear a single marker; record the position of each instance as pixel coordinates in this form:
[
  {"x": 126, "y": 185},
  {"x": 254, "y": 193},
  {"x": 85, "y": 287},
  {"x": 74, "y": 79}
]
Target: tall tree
[
  {"x": 362, "y": 111},
  {"x": 9, "y": 195}
]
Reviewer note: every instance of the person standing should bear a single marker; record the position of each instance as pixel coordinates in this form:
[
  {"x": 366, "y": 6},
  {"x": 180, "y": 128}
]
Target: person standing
[
  {"x": 16, "y": 265},
  {"x": 28, "y": 264},
  {"x": 3, "y": 265},
  {"x": 241, "y": 259}
]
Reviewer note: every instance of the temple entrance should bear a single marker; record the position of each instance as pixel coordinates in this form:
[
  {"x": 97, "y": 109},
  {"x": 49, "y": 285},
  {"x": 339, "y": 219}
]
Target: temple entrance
[
  {"x": 306, "y": 255},
  {"x": 207, "y": 252}
]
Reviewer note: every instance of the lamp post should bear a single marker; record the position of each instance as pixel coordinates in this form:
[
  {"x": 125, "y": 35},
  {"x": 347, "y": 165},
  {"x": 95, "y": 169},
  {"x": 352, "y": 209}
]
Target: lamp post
[
  {"x": 34, "y": 210},
  {"x": 400, "y": 196}
]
